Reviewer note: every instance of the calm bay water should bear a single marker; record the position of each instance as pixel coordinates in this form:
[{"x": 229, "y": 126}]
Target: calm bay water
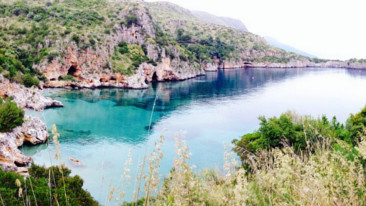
[{"x": 99, "y": 127}]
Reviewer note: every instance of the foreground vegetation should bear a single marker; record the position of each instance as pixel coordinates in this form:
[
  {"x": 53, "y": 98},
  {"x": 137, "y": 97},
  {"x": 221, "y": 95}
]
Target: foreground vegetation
[
  {"x": 11, "y": 115},
  {"x": 290, "y": 160},
  {"x": 44, "y": 186}
]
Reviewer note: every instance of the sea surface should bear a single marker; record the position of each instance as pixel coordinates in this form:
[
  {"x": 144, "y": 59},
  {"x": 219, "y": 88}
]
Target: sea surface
[{"x": 100, "y": 127}]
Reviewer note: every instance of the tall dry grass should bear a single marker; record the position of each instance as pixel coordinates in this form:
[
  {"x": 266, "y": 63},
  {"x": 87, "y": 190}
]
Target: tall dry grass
[{"x": 320, "y": 175}]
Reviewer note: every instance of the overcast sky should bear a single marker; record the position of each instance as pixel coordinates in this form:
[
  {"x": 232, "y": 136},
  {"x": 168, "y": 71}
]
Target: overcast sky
[{"x": 334, "y": 29}]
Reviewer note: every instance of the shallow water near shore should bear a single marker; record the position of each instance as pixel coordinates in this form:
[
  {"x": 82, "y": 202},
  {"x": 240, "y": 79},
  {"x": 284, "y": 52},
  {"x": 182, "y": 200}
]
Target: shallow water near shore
[{"x": 99, "y": 127}]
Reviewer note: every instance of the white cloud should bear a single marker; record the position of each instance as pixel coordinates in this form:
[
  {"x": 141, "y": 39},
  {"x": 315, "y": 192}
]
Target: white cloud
[{"x": 332, "y": 29}]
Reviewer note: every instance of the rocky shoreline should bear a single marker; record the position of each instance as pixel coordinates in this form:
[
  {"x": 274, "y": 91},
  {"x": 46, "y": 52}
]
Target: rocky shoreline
[
  {"x": 144, "y": 74},
  {"x": 33, "y": 131},
  {"x": 26, "y": 98},
  {"x": 295, "y": 64}
]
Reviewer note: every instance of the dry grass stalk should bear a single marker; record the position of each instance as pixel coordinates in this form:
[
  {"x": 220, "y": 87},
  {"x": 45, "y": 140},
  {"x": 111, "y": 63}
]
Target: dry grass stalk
[
  {"x": 126, "y": 177},
  {"x": 139, "y": 177},
  {"x": 320, "y": 175},
  {"x": 34, "y": 196},
  {"x": 152, "y": 176},
  {"x": 56, "y": 135}
]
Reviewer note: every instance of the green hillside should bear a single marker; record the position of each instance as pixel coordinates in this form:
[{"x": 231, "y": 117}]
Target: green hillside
[{"x": 39, "y": 40}]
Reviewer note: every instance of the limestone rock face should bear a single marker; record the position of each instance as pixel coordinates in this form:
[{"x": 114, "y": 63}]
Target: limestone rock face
[
  {"x": 33, "y": 131},
  {"x": 210, "y": 67},
  {"x": 30, "y": 98},
  {"x": 170, "y": 70},
  {"x": 91, "y": 67}
]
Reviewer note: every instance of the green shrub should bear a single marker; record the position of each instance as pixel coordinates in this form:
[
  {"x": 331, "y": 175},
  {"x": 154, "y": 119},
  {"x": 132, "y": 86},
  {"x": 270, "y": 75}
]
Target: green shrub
[
  {"x": 29, "y": 81},
  {"x": 150, "y": 61},
  {"x": 123, "y": 48},
  {"x": 38, "y": 18},
  {"x": 67, "y": 31},
  {"x": 92, "y": 42},
  {"x": 62, "y": 183},
  {"x": 355, "y": 125},
  {"x": 11, "y": 115},
  {"x": 183, "y": 58},
  {"x": 183, "y": 38},
  {"x": 53, "y": 55},
  {"x": 67, "y": 78},
  {"x": 131, "y": 19},
  {"x": 300, "y": 132},
  {"x": 75, "y": 38},
  {"x": 272, "y": 133}
]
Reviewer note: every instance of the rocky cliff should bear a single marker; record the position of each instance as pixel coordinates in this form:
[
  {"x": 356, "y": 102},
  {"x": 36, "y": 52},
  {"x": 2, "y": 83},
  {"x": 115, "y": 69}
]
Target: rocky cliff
[
  {"x": 92, "y": 67},
  {"x": 126, "y": 44}
]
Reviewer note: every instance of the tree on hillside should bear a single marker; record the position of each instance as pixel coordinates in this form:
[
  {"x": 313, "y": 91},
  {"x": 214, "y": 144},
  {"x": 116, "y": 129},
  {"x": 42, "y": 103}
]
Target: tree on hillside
[{"x": 11, "y": 115}]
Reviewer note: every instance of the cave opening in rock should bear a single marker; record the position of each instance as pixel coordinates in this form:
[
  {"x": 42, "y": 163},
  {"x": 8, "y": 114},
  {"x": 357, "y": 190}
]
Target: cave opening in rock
[
  {"x": 71, "y": 71},
  {"x": 154, "y": 77}
]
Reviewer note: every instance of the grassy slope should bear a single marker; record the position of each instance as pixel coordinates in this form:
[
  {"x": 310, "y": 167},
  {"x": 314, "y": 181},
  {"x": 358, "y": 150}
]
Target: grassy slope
[
  {"x": 172, "y": 17},
  {"x": 35, "y": 31}
]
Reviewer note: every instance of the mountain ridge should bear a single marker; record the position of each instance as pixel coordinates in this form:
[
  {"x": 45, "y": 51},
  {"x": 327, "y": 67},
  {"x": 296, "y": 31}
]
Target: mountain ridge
[
  {"x": 224, "y": 21},
  {"x": 108, "y": 43},
  {"x": 289, "y": 48}
]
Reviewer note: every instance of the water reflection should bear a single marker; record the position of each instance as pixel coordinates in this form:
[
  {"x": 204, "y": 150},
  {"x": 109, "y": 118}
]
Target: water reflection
[
  {"x": 360, "y": 73},
  {"x": 123, "y": 115},
  {"x": 171, "y": 95},
  {"x": 99, "y": 127}
]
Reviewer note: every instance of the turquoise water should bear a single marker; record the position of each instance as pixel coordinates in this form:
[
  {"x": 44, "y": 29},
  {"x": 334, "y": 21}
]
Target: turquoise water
[{"x": 99, "y": 127}]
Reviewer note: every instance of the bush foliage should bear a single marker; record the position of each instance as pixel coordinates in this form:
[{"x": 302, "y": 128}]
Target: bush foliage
[
  {"x": 11, "y": 115},
  {"x": 299, "y": 132},
  {"x": 37, "y": 189}
]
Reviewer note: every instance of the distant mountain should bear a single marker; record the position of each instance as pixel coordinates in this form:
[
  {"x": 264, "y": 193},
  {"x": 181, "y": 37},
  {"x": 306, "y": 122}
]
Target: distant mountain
[
  {"x": 274, "y": 42},
  {"x": 223, "y": 21}
]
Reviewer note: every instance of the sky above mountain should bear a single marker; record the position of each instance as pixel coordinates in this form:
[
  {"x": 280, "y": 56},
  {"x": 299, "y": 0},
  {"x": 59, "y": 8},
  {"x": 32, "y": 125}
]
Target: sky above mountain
[{"x": 332, "y": 29}]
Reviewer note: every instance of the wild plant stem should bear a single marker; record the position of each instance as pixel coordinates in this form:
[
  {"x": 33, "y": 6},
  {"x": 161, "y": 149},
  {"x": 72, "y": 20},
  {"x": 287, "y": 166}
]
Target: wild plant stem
[
  {"x": 49, "y": 185},
  {"x": 35, "y": 199},
  {"x": 148, "y": 191},
  {"x": 63, "y": 179},
  {"x": 2, "y": 201},
  {"x": 144, "y": 161}
]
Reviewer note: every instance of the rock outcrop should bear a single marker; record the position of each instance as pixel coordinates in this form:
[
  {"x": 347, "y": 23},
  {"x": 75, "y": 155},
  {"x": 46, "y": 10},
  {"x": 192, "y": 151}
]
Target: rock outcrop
[
  {"x": 91, "y": 67},
  {"x": 33, "y": 131},
  {"x": 210, "y": 67},
  {"x": 30, "y": 98}
]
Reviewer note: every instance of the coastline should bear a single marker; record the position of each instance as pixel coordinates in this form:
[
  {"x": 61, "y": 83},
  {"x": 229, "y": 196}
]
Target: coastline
[{"x": 34, "y": 131}]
